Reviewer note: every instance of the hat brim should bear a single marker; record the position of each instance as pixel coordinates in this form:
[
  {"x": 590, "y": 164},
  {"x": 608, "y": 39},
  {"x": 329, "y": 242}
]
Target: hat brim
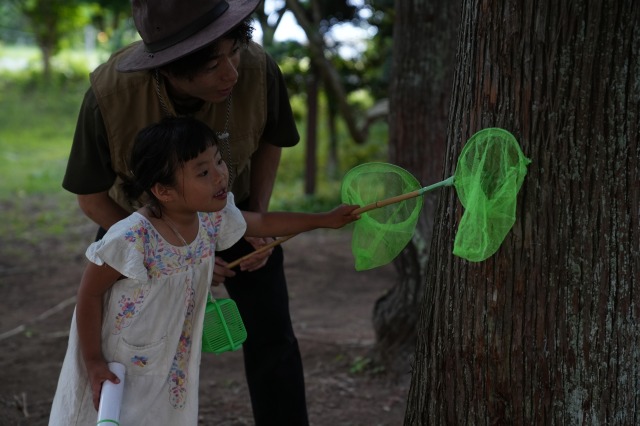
[{"x": 138, "y": 59}]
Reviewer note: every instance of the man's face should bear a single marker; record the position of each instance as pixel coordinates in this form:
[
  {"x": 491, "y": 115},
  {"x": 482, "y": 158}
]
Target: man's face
[{"x": 215, "y": 80}]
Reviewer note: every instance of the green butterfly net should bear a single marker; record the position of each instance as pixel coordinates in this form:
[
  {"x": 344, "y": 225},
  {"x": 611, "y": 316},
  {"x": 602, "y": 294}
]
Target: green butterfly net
[
  {"x": 381, "y": 233},
  {"x": 489, "y": 174}
]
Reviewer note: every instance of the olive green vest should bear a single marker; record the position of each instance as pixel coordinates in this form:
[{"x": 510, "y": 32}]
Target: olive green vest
[{"x": 129, "y": 102}]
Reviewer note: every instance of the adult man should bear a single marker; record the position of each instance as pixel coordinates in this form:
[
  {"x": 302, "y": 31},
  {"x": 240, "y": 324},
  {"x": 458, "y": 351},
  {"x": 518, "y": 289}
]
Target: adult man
[{"x": 196, "y": 58}]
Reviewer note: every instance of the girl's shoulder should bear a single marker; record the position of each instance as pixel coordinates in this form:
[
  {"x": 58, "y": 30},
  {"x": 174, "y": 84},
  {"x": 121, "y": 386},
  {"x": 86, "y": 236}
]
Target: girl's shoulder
[
  {"x": 125, "y": 246},
  {"x": 134, "y": 228}
]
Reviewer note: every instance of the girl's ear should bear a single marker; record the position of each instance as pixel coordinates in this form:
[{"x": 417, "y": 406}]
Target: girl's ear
[{"x": 163, "y": 193}]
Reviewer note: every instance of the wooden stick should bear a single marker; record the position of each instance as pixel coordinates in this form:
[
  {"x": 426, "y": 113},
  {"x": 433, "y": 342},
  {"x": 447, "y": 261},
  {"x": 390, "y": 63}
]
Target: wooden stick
[
  {"x": 387, "y": 201},
  {"x": 260, "y": 250}
]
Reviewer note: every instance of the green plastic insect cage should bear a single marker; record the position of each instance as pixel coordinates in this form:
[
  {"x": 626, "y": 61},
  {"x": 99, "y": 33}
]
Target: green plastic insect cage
[{"x": 223, "y": 329}]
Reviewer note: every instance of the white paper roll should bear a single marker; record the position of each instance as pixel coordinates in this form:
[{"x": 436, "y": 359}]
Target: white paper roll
[{"x": 111, "y": 397}]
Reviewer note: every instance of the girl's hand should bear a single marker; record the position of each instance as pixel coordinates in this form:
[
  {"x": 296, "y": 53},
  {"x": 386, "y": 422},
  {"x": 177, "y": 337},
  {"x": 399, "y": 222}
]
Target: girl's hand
[
  {"x": 341, "y": 216},
  {"x": 98, "y": 372},
  {"x": 256, "y": 261}
]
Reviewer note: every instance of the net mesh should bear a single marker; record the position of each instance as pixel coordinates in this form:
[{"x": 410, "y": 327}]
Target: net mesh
[
  {"x": 490, "y": 172},
  {"x": 380, "y": 234}
]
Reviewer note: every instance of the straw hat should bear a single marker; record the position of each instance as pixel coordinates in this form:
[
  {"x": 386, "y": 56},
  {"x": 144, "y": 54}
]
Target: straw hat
[{"x": 171, "y": 29}]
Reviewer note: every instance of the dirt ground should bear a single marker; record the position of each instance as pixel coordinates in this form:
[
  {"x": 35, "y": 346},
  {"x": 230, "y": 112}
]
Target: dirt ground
[{"x": 331, "y": 306}]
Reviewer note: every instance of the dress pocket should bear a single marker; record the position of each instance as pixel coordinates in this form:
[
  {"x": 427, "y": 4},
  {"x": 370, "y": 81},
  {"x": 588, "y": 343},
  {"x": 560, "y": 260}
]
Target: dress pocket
[{"x": 145, "y": 360}]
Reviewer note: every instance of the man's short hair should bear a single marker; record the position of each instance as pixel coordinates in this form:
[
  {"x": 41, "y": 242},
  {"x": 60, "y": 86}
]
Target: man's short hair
[{"x": 191, "y": 65}]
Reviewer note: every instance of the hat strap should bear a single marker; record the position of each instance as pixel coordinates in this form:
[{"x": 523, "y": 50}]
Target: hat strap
[{"x": 189, "y": 30}]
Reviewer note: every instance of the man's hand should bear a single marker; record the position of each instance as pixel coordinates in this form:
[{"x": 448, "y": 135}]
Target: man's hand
[
  {"x": 259, "y": 260},
  {"x": 221, "y": 272}
]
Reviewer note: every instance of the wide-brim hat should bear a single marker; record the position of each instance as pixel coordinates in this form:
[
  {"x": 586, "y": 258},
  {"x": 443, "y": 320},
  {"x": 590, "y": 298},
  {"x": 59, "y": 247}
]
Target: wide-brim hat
[{"x": 171, "y": 29}]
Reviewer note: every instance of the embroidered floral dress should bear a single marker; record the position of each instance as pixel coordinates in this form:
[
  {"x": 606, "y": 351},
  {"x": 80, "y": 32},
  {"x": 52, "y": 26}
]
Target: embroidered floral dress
[{"x": 152, "y": 321}]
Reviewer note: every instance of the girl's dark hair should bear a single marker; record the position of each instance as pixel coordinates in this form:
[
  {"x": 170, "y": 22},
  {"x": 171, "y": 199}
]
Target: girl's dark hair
[
  {"x": 160, "y": 149},
  {"x": 191, "y": 64}
]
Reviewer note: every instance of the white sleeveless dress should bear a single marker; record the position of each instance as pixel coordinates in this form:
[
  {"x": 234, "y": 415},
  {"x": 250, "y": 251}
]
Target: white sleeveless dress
[{"x": 152, "y": 321}]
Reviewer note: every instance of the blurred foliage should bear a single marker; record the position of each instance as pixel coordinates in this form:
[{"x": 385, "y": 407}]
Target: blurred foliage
[
  {"x": 37, "y": 125},
  {"x": 13, "y": 25},
  {"x": 331, "y": 12},
  {"x": 114, "y": 23},
  {"x": 378, "y": 56},
  {"x": 53, "y": 23}
]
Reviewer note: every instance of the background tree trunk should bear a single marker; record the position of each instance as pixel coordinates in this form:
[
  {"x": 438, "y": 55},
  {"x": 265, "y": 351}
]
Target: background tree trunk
[
  {"x": 311, "y": 161},
  {"x": 546, "y": 331},
  {"x": 333, "y": 158},
  {"x": 424, "y": 49},
  {"x": 326, "y": 70}
]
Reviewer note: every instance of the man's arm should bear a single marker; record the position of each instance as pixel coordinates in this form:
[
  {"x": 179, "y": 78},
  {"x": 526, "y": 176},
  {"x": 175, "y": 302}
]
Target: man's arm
[
  {"x": 101, "y": 209},
  {"x": 89, "y": 174},
  {"x": 264, "y": 166}
]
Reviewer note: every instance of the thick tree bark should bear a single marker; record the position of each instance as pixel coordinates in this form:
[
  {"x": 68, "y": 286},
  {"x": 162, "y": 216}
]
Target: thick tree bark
[
  {"x": 547, "y": 330},
  {"x": 425, "y": 34}
]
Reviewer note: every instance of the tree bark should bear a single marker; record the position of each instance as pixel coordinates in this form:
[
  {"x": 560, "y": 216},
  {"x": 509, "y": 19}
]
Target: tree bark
[
  {"x": 546, "y": 331},
  {"x": 424, "y": 49}
]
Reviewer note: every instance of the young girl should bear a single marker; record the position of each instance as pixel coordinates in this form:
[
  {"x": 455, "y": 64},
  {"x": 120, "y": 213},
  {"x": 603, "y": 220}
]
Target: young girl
[{"x": 142, "y": 297}]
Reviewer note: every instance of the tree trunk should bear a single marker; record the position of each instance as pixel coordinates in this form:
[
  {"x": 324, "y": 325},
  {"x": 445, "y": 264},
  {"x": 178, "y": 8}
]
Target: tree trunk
[
  {"x": 46, "y": 63},
  {"x": 311, "y": 161},
  {"x": 327, "y": 71},
  {"x": 546, "y": 331},
  {"x": 269, "y": 30},
  {"x": 333, "y": 160},
  {"x": 425, "y": 34}
]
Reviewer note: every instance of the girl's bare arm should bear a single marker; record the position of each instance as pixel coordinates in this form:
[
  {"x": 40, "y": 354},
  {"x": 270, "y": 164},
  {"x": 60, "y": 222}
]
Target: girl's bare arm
[
  {"x": 96, "y": 280},
  {"x": 278, "y": 224}
]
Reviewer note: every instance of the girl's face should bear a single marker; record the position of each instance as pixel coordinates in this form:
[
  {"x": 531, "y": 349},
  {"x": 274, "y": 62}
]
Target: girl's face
[
  {"x": 202, "y": 182},
  {"x": 215, "y": 80}
]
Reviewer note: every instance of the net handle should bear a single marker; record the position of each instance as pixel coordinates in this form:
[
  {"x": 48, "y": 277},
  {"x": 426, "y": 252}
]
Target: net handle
[
  {"x": 403, "y": 197},
  {"x": 260, "y": 250},
  {"x": 388, "y": 201}
]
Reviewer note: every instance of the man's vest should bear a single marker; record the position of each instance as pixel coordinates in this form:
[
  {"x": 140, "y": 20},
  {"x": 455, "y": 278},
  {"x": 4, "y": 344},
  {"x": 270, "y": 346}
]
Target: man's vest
[{"x": 129, "y": 102}]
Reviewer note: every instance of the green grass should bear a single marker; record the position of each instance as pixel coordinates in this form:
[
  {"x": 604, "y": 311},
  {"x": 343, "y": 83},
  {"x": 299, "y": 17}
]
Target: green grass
[{"x": 36, "y": 130}]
